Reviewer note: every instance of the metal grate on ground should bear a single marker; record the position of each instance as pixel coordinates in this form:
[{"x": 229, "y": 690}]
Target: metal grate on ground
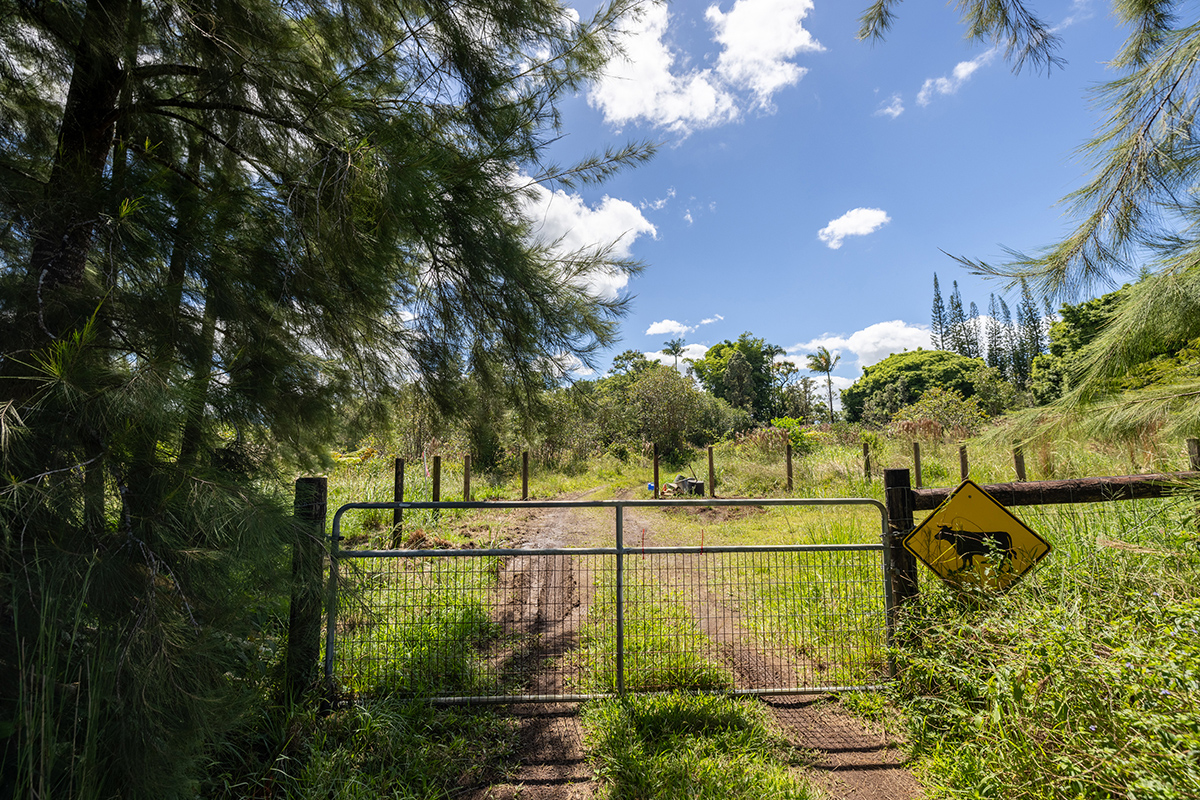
[{"x": 513, "y": 625}]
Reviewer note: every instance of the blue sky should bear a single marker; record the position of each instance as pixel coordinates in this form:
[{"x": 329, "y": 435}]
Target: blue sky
[{"x": 807, "y": 183}]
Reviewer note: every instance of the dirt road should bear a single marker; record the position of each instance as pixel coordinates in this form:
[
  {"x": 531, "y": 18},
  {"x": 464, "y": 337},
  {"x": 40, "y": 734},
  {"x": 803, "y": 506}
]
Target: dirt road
[{"x": 856, "y": 761}]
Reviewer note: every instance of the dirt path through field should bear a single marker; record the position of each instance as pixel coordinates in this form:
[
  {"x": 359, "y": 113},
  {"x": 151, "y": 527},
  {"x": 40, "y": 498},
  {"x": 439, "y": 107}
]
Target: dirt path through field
[{"x": 856, "y": 762}]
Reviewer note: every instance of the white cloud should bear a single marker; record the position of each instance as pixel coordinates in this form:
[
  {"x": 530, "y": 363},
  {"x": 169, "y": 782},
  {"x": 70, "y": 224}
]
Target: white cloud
[
  {"x": 641, "y": 83},
  {"x": 869, "y": 345},
  {"x": 650, "y": 82},
  {"x": 855, "y": 222},
  {"x": 893, "y": 109},
  {"x": 712, "y": 319},
  {"x": 949, "y": 85},
  {"x": 572, "y": 225},
  {"x": 660, "y": 203},
  {"x": 669, "y": 327},
  {"x": 758, "y": 37}
]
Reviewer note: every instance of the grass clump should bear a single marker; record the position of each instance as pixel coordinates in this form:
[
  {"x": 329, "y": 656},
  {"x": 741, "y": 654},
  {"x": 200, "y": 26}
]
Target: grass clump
[
  {"x": 689, "y": 746},
  {"x": 1082, "y": 682},
  {"x": 382, "y": 747}
]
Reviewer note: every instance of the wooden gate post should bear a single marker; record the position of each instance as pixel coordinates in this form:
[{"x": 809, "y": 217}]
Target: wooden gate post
[
  {"x": 308, "y": 556},
  {"x": 898, "y": 495},
  {"x": 524, "y": 474},
  {"x": 655, "y": 472}
]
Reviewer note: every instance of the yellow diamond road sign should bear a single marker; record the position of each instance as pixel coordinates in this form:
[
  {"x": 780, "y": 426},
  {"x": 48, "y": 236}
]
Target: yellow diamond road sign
[{"x": 970, "y": 539}]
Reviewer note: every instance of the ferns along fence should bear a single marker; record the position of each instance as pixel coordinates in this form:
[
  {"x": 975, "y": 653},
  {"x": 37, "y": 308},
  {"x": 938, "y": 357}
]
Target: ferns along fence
[{"x": 570, "y": 624}]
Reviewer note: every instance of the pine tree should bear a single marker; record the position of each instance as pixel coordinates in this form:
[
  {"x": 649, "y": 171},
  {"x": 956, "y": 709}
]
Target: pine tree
[
  {"x": 937, "y": 323},
  {"x": 1137, "y": 212},
  {"x": 994, "y": 338},
  {"x": 974, "y": 344},
  {"x": 955, "y": 339},
  {"x": 220, "y": 221}
]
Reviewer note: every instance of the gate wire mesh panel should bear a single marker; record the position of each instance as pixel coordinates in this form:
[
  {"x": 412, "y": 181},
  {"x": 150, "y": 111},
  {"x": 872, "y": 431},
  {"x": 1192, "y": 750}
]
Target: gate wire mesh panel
[
  {"x": 757, "y": 620},
  {"x": 469, "y": 626}
]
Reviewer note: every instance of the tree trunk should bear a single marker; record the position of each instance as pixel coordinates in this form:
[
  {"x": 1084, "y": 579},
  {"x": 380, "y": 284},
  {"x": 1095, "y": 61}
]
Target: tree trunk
[{"x": 63, "y": 234}]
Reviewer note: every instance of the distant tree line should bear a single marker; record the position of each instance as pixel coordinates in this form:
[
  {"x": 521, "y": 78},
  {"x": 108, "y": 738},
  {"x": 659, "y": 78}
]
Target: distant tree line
[{"x": 1005, "y": 344}]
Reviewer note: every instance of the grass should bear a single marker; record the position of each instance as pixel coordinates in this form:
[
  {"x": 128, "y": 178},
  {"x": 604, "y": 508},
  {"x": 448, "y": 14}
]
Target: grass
[
  {"x": 664, "y": 650},
  {"x": 681, "y": 746}
]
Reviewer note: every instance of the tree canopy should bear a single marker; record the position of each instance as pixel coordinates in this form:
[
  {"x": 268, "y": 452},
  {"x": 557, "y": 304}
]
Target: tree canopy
[
  {"x": 218, "y": 221},
  {"x": 740, "y": 372},
  {"x": 915, "y": 371}
]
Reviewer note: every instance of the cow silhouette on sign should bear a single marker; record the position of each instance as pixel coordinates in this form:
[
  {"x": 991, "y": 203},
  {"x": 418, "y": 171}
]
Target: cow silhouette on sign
[{"x": 968, "y": 544}]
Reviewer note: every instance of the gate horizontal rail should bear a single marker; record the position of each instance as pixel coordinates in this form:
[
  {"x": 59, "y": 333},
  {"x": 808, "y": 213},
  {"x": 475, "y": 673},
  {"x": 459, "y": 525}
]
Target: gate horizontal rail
[{"x": 475, "y": 625}]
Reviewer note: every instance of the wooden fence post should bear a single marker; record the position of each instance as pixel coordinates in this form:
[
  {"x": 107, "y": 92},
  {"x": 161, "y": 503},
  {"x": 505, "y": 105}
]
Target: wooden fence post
[
  {"x": 398, "y": 497},
  {"x": 1019, "y": 462},
  {"x": 524, "y": 474},
  {"x": 712, "y": 474},
  {"x": 655, "y": 472},
  {"x": 917, "y": 464},
  {"x": 1193, "y": 446},
  {"x": 867, "y": 461},
  {"x": 788, "y": 455},
  {"x": 898, "y": 495},
  {"x": 437, "y": 479},
  {"x": 466, "y": 478},
  {"x": 963, "y": 466},
  {"x": 308, "y": 557}
]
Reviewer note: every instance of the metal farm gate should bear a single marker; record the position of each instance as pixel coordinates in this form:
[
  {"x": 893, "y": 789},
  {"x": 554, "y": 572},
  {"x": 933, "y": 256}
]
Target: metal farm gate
[{"x": 571, "y": 624}]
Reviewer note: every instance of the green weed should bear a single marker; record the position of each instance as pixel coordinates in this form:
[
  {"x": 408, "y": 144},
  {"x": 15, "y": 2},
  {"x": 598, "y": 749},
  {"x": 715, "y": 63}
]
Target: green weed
[{"x": 689, "y": 746}]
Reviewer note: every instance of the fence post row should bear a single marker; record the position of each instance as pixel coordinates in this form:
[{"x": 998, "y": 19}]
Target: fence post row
[{"x": 308, "y": 556}]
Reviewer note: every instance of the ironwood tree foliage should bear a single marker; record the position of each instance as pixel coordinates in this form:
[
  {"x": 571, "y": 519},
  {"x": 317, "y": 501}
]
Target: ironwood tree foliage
[
  {"x": 218, "y": 219},
  {"x": 1138, "y": 211}
]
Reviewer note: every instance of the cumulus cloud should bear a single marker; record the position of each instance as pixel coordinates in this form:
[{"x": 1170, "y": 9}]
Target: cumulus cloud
[
  {"x": 893, "y": 109},
  {"x": 855, "y": 222},
  {"x": 949, "y": 85},
  {"x": 650, "y": 82},
  {"x": 758, "y": 38},
  {"x": 870, "y": 345},
  {"x": 669, "y": 327},
  {"x": 568, "y": 222}
]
